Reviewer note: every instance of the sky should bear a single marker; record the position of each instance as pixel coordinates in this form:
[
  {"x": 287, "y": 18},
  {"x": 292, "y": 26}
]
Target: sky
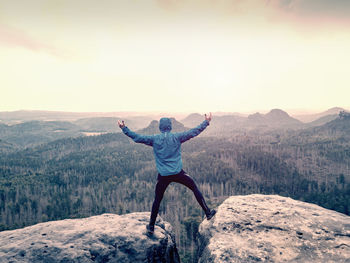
[{"x": 174, "y": 55}]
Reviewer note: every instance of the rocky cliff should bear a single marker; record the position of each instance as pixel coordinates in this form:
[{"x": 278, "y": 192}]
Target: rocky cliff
[
  {"x": 103, "y": 238},
  {"x": 270, "y": 228}
]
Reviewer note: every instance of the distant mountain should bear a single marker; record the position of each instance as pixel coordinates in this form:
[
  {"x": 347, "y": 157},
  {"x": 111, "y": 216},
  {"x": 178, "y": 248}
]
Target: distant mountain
[
  {"x": 323, "y": 120},
  {"x": 193, "y": 120},
  {"x": 340, "y": 125},
  {"x": 32, "y": 133},
  {"x": 306, "y": 118},
  {"x": 226, "y": 124},
  {"x": 280, "y": 117},
  {"x": 277, "y": 114},
  {"x": 54, "y": 126},
  {"x": 276, "y": 118},
  {"x": 153, "y": 127},
  {"x": 218, "y": 124},
  {"x": 37, "y": 132}
]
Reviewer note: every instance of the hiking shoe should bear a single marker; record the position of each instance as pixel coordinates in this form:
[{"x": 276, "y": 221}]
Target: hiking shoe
[
  {"x": 150, "y": 230},
  {"x": 211, "y": 214}
]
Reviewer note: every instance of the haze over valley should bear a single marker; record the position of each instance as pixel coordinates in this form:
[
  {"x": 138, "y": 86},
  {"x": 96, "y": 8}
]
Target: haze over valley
[{"x": 30, "y": 128}]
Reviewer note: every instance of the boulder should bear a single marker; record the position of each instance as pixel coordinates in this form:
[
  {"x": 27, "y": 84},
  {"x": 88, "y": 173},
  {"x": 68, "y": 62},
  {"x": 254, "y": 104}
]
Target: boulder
[
  {"x": 102, "y": 238},
  {"x": 271, "y": 228}
]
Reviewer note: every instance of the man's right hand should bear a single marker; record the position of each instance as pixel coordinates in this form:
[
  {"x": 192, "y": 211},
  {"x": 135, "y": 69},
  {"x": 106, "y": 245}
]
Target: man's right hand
[
  {"x": 121, "y": 124},
  {"x": 208, "y": 118}
]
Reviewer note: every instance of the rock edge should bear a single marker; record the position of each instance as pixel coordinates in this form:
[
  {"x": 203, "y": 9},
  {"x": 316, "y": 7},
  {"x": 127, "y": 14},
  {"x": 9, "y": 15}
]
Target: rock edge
[
  {"x": 102, "y": 238},
  {"x": 271, "y": 228}
]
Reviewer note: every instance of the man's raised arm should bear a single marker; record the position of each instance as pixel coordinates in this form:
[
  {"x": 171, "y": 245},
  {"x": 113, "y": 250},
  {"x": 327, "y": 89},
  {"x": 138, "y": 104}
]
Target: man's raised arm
[
  {"x": 185, "y": 136},
  {"x": 148, "y": 140}
]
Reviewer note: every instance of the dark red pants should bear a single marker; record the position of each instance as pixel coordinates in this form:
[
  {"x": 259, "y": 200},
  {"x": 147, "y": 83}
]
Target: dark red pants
[{"x": 181, "y": 178}]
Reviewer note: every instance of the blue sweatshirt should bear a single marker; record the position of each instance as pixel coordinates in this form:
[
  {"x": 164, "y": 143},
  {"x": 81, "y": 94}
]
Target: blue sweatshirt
[{"x": 166, "y": 145}]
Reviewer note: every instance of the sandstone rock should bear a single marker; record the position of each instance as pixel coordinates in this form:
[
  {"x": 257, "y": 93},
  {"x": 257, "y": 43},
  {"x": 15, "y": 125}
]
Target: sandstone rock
[
  {"x": 271, "y": 228},
  {"x": 103, "y": 238}
]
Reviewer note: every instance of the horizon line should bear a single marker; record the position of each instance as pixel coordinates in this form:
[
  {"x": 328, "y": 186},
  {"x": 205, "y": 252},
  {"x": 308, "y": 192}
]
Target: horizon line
[{"x": 294, "y": 111}]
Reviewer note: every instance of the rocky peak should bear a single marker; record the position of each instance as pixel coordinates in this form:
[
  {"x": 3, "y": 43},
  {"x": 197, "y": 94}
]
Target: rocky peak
[
  {"x": 103, "y": 238},
  {"x": 277, "y": 113},
  {"x": 271, "y": 228},
  {"x": 334, "y": 110},
  {"x": 193, "y": 120}
]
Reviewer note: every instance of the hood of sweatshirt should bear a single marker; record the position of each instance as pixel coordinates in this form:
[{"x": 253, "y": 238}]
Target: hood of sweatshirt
[{"x": 165, "y": 125}]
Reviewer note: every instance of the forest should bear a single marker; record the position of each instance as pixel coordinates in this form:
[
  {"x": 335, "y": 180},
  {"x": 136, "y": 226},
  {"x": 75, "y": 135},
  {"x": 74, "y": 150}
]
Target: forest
[{"x": 80, "y": 176}]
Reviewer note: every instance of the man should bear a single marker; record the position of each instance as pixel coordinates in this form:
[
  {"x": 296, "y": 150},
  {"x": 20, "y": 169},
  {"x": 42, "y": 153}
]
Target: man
[{"x": 167, "y": 153}]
